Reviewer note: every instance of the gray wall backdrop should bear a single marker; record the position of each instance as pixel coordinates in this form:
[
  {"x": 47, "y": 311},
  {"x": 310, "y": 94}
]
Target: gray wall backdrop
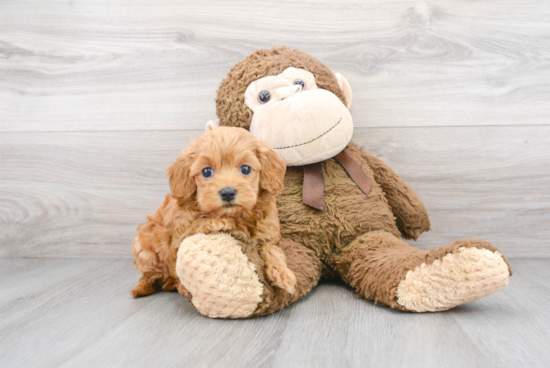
[{"x": 98, "y": 97}]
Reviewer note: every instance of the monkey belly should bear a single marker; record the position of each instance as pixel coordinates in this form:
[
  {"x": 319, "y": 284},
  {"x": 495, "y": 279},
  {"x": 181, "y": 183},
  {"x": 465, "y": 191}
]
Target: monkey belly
[{"x": 349, "y": 211}]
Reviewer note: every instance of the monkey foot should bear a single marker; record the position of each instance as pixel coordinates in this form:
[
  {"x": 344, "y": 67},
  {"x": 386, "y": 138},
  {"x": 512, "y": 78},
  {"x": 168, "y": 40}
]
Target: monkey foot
[
  {"x": 461, "y": 277},
  {"x": 223, "y": 283}
]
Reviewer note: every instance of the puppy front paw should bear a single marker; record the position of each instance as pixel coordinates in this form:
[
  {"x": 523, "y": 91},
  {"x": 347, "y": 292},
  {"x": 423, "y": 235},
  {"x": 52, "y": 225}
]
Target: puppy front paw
[{"x": 276, "y": 269}]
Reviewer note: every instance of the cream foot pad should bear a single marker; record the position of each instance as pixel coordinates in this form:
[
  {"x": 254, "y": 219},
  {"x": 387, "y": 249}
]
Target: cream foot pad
[
  {"x": 221, "y": 279},
  {"x": 459, "y": 278}
]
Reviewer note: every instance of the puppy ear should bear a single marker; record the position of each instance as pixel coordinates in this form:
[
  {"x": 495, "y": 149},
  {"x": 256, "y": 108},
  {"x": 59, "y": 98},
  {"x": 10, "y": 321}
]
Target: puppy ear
[
  {"x": 272, "y": 173},
  {"x": 182, "y": 183}
]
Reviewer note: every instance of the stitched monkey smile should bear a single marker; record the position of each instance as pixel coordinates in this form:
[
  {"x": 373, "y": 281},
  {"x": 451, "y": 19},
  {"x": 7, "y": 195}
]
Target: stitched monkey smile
[{"x": 314, "y": 139}]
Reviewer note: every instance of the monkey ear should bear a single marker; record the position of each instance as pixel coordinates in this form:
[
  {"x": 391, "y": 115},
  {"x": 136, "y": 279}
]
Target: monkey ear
[
  {"x": 182, "y": 183},
  {"x": 346, "y": 89},
  {"x": 272, "y": 172},
  {"x": 211, "y": 125}
]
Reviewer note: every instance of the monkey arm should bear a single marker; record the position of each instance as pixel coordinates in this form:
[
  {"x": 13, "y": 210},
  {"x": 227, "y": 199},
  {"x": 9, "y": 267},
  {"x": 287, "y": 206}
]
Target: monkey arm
[{"x": 410, "y": 212}]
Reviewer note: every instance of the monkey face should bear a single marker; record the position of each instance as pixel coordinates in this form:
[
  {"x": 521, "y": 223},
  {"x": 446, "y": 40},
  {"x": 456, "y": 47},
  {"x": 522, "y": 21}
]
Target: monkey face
[{"x": 304, "y": 124}]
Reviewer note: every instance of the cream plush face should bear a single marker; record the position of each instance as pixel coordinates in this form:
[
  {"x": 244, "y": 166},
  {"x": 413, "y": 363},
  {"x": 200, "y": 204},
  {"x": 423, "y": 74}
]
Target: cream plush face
[{"x": 301, "y": 122}]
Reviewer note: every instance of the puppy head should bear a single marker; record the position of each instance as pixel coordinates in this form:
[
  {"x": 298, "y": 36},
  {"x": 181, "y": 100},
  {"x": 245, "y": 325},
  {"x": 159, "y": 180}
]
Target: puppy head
[{"x": 226, "y": 171}]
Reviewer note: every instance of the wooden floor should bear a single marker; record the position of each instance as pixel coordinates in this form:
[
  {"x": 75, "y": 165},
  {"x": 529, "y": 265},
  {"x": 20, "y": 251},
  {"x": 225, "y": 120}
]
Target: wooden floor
[{"x": 78, "y": 313}]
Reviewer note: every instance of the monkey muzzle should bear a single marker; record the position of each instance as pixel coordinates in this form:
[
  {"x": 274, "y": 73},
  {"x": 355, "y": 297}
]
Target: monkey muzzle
[{"x": 304, "y": 128}]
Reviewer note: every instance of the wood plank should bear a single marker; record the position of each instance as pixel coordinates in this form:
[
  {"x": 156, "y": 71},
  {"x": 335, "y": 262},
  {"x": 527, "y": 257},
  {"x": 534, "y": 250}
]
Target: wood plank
[
  {"x": 57, "y": 326},
  {"x": 89, "y": 320},
  {"x": 351, "y": 332},
  {"x": 517, "y": 333},
  {"x": 56, "y": 320},
  {"x": 80, "y": 66},
  {"x": 24, "y": 278},
  {"x": 484, "y": 182},
  {"x": 83, "y": 194},
  {"x": 510, "y": 328}
]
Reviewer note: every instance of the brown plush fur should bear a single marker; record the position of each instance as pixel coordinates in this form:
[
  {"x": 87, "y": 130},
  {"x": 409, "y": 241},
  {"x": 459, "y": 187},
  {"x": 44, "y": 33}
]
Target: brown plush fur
[
  {"x": 376, "y": 262},
  {"x": 230, "y": 106},
  {"x": 357, "y": 237},
  {"x": 303, "y": 263},
  {"x": 195, "y": 206}
]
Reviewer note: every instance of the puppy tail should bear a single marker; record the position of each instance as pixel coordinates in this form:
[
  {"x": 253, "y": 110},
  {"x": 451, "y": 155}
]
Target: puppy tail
[{"x": 144, "y": 287}]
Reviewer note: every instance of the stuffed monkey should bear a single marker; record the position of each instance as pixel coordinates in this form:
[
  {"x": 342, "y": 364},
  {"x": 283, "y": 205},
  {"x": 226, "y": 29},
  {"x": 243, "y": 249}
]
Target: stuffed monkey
[{"x": 344, "y": 212}]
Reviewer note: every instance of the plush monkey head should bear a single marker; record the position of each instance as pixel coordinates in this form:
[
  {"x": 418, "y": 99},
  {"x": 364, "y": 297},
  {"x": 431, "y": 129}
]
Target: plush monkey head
[{"x": 291, "y": 101}]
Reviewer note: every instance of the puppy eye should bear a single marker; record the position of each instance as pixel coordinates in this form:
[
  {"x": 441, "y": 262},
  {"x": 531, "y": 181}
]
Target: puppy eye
[
  {"x": 245, "y": 170},
  {"x": 300, "y": 82},
  {"x": 264, "y": 96},
  {"x": 207, "y": 172}
]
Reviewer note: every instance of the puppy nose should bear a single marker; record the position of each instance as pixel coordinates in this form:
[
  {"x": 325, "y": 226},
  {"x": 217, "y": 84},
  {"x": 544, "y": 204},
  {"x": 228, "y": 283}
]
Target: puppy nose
[{"x": 228, "y": 194}]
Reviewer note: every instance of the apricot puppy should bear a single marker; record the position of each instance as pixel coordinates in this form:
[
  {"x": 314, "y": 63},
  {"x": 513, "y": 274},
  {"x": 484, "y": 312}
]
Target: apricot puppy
[{"x": 225, "y": 183}]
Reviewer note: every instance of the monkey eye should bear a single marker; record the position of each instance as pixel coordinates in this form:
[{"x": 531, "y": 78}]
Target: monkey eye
[
  {"x": 245, "y": 170},
  {"x": 207, "y": 172},
  {"x": 264, "y": 96},
  {"x": 300, "y": 82}
]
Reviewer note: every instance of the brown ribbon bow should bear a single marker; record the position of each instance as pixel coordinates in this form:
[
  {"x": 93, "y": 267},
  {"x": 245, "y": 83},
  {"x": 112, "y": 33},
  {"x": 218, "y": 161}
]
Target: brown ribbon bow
[{"x": 313, "y": 193}]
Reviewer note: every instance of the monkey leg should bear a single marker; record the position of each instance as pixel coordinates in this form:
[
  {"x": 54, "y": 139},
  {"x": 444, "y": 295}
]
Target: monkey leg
[
  {"x": 225, "y": 277},
  {"x": 387, "y": 270}
]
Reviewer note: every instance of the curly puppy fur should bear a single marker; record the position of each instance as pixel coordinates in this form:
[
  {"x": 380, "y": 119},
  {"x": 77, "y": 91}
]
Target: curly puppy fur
[{"x": 195, "y": 206}]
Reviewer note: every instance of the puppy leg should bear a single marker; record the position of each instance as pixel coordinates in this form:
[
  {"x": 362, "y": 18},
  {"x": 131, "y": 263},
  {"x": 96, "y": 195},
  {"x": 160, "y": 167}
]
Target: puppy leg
[
  {"x": 147, "y": 285},
  {"x": 173, "y": 284},
  {"x": 276, "y": 269}
]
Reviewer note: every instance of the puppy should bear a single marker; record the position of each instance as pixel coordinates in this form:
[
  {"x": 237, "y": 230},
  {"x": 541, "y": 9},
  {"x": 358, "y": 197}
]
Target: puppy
[{"x": 225, "y": 182}]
